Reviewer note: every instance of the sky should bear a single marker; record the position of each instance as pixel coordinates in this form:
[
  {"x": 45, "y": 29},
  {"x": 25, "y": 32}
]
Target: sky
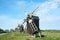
[{"x": 13, "y": 12}]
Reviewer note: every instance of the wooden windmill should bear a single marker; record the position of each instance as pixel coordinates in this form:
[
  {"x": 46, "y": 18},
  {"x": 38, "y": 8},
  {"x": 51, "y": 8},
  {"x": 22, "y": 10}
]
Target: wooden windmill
[{"x": 33, "y": 24}]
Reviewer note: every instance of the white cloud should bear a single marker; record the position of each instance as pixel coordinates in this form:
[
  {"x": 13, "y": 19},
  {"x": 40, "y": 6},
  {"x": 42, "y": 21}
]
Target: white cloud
[
  {"x": 9, "y": 23},
  {"x": 46, "y": 7},
  {"x": 50, "y": 18}
]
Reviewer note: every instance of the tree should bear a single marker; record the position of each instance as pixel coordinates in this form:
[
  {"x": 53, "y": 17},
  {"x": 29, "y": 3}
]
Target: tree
[{"x": 2, "y": 31}]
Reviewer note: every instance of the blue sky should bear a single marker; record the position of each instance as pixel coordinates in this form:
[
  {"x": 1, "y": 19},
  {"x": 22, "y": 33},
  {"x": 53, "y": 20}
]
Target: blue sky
[{"x": 12, "y": 13}]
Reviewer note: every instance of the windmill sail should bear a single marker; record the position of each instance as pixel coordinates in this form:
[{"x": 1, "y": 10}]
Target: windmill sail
[{"x": 35, "y": 10}]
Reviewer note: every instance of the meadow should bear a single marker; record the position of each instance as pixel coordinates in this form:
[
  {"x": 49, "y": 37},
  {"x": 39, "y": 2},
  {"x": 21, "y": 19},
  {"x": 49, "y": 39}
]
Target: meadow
[{"x": 48, "y": 35}]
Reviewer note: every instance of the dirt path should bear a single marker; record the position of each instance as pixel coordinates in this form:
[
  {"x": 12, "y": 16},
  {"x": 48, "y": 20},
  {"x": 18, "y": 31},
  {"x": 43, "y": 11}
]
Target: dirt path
[{"x": 3, "y": 33}]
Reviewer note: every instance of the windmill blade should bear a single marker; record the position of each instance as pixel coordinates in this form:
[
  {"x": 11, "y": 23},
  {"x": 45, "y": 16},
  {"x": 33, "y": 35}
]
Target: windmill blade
[
  {"x": 24, "y": 21},
  {"x": 35, "y": 9}
]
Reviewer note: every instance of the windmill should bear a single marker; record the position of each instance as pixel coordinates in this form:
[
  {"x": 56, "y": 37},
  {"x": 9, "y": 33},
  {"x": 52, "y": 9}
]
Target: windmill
[
  {"x": 19, "y": 28},
  {"x": 32, "y": 24}
]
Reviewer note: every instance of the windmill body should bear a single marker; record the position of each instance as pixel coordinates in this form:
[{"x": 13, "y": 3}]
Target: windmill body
[{"x": 33, "y": 24}]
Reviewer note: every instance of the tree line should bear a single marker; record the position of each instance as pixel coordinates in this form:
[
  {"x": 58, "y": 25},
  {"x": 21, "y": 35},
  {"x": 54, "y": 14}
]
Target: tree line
[{"x": 5, "y": 31}]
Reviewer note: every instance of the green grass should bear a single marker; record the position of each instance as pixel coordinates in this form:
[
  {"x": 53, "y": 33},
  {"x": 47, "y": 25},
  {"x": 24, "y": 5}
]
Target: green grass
[{"x": 49, "y": 35}]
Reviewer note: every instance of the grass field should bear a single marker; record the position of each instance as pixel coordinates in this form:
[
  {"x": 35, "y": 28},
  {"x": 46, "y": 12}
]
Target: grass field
[{"x": 49, "y": 35}]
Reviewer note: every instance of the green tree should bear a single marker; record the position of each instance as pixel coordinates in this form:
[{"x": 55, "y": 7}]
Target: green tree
[{"x": 2, "y": 31}]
